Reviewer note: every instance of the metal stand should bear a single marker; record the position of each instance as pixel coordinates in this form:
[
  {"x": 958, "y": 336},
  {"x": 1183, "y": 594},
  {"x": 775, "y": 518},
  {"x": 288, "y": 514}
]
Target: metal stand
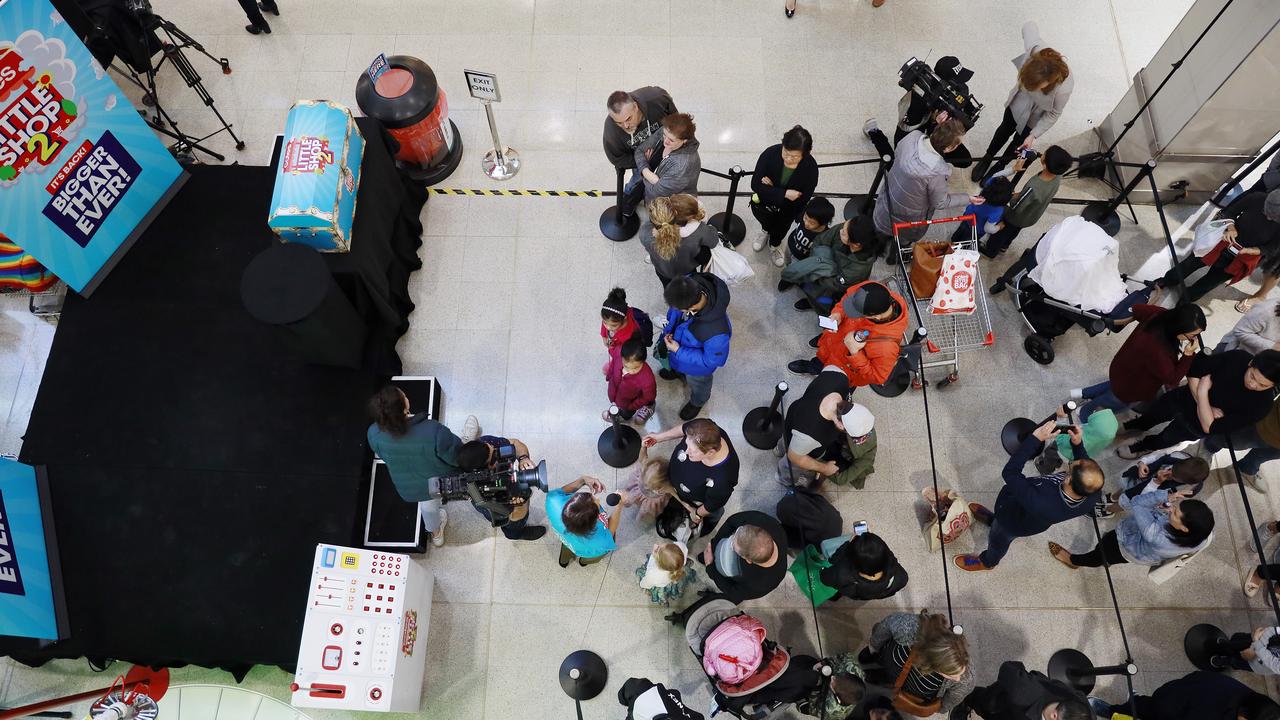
[
  {"x": 1074, "y": 668},
  {"x": 862, "y": 204},
  {"x": 619, "y": 445},
  {"x": 613, "y": 224},
  {"x": 1201, "y": 643},
  {"x": 763, "y": 426},
  {"x": 1103, "y": 214},
  {"x": 1017, "y": 429},
  {"x": 583, "y": 675},
  {"x": 500, "y": 163},
  {"x": 730, "y": 225}
]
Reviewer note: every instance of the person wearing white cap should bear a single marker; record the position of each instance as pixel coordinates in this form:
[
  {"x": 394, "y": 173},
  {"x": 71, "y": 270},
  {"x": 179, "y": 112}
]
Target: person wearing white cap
[
  {"x": 812, "y": 434},
  {"x": 858, "y": 456}
]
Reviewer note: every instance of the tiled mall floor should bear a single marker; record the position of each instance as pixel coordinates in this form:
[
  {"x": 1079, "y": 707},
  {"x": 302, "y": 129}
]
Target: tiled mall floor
[{"x": 507, "y": 318}]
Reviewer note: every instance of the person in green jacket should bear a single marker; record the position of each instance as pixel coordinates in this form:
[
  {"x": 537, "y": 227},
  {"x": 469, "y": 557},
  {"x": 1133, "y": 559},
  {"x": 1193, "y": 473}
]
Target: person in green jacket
[
  {"x": 416, "y": 451},
  {"x": 1098, "y": 432},
  {"x": 858, "y": 457},
  {"x": 842, "y": 257}
]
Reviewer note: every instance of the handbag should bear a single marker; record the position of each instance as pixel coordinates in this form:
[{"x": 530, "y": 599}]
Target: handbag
[
  {"x": 926, "y": 264},
  {"x": 728, "y": 265},
  {"x": 1208, "y": 235},
  {"x": 908, "y": 703},
  {"x": 1161, "y": 573},
  {"x": 806, "y": 569},
  {"x": 958, "y": 519}
]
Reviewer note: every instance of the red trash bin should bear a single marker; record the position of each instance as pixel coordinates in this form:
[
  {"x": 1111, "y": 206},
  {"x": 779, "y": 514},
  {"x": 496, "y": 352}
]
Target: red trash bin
[{"x": 409, "y": 103}]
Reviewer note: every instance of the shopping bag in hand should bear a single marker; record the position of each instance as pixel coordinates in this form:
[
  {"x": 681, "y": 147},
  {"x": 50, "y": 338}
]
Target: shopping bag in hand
[
  {"x": 805, "y": 570},
  {"x": 956, "y": 520}
]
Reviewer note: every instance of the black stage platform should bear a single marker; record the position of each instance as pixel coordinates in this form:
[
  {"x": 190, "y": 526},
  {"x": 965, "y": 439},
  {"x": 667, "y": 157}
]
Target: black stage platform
[{"x": 194, "y": 463}]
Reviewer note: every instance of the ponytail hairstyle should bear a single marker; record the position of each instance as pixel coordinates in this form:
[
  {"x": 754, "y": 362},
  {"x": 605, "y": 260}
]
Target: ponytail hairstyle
[
  {"x": 685, "y": 209},
  {"x": 615, "y": 306},
  {"x": 666, "y": 238},
  {"x": 1046, "y": 67},
  {"x": 671, "y": 558},
  {"x": 387, "y": 410}
]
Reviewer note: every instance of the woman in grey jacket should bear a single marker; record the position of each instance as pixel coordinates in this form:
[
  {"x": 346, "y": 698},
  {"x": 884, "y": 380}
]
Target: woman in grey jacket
[
  {"x": 1258, "y": 330},
  {"x": 1034, "y": 104},
  {"x": 1161, "y": 526},
  {"x": 916, "y": 185},
  {"x": 669, "y": 162}
]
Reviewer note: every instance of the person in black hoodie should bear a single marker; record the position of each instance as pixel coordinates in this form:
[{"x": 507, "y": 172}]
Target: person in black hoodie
[
  {"x": 865, "y": 569},
  {"x": 784, "y": 179},
  {"x": 696, "y": 337},
  {"x": 634, "y": 117},
  {"x": 1019, "y": 694},
  {"x": 1202, "y": 695}
]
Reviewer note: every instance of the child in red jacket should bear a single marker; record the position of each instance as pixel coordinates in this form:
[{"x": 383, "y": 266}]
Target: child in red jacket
[{"x": 632, "y": 386}]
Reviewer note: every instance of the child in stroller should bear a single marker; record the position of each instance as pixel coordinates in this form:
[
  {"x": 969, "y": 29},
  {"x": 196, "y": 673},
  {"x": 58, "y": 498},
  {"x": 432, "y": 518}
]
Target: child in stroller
[{"x": 1071, "y": 276}]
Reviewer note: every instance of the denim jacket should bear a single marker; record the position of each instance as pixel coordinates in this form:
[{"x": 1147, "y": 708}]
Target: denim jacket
[{"x": 1143, "y": 536}]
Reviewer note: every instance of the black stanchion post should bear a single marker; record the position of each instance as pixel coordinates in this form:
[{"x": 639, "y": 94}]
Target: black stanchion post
[
  {"x": 730, "y": 225},
  {"x": 1103, "y": 214},
  {"x": 1075, "y": 669},
  {"x": 619, "y": 445},
  {"x": 613, "y": 224},
  {"x": 862, "y": 204},
  {"x": 763, "y": 425}
]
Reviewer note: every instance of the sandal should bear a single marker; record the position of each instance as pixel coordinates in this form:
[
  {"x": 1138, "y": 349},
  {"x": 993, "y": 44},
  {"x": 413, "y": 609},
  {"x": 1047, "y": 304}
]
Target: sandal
[
  {"x": 1062, "y": 555},
  {"x": 1243, "y": 306}
]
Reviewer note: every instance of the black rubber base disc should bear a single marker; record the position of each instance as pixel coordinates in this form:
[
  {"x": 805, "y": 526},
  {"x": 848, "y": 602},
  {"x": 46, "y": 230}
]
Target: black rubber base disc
[
  {"x": 622, "y": 453},
  {"x": 1014, "y": 432},
  {"x": 1099, "y": 214},
  {"x": 1066, "y": 665},
  {"x": 615, "y": 230},
  {"x": 890, "y": 390},
  {"x": 762, "y": 438},
  {"x": 592, "y": 678},
  {"x": 1202, "y": 642},
  {"x": 853, "y": 208},
  {"x": 736, "y": 230}
]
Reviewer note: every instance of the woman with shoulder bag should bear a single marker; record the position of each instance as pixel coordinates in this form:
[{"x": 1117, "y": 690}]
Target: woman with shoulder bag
[
  {"x": 678, "y": 241},
  {"x": 922, "y": 659},
  {"x": 782, "y": 184}
]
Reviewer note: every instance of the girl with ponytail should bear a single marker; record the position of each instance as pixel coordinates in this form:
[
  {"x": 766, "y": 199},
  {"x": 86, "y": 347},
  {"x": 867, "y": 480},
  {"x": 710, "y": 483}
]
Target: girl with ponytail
[{"x": 676, "y": 238}]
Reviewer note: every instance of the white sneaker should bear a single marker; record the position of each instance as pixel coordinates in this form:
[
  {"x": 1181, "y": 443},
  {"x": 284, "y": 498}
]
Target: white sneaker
[
  {"x": 470, "y": 429},
  {"x": 870, "y": 126},
  {"x": 1255, "y": 482},
  {"x": 779, "y": 257},
  {"x": 1077, "y": 394},
  {"x": 437, "y": 537},
  {"x": 647, "y": 260},
  {"x": 761, "y": 239}
]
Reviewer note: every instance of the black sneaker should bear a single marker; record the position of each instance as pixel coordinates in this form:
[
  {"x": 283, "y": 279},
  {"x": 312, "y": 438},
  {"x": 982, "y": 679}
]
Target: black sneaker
[
  {"x": 803, "y": 304},
  {"x": 689, "y": 411},
  {"x": 667, "y": 374},
  {"x": 532, "y": 533},
  {"x": 1100, "y": 510},
  {"x": 979, "y": 171},
  {"x": 784, "y": 286},
  {"x": 996, "y": 288},
  {"x": 804, "y": 367},
  {"x": 813, "y": 341}
]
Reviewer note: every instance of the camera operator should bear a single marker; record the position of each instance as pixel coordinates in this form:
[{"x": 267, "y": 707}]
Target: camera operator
[
  {"x": 916, "y": 112},
  {"x": 485, "y": 452}
]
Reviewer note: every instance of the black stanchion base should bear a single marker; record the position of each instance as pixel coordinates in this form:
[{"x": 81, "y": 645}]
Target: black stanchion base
[
  {"x": 853, "y": 208},
  {"x": 592, "y": 675},
  {"x": 734, "y": 232},
  {"x": 1067, "y": 665},
  {"x": 1100, "y": 214},
  {"x": 762, "y": 428},
  {"x": 1014, "y": 432},
  {"x": 617, "y": 229},
  {"x": 1202, "y": 642},
  {"x": 624, "y": 453},
  {"x": 890, "y": 390},
  {"x": 432, "y": 175}
]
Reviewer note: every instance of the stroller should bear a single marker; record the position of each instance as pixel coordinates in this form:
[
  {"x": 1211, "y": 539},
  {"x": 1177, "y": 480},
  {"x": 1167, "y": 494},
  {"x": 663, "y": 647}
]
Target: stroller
[
  {"x": 735, "y": 697},
  {"x": 1071, "y": 277}
]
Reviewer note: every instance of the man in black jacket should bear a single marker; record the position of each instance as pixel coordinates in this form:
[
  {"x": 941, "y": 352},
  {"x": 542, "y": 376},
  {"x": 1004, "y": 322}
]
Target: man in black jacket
[
  {"x": 865, "y": 569},
  {"x": 1019, "y": 694},
  {"x": 747, "y": 558},
  {"x": 1202, "y": 695},
  {"x": 634, "y": 117}
]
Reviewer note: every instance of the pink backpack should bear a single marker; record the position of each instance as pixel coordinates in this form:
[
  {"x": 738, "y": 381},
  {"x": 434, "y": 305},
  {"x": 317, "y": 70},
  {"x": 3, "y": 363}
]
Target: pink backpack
[{"x": 734, "y": 650}]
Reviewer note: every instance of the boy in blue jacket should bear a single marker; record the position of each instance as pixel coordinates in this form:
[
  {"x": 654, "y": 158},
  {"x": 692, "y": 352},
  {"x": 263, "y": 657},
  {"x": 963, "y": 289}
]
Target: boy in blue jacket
[
  {"x": 696, "y": 335},
  {"x": 1029, "y": 506}
]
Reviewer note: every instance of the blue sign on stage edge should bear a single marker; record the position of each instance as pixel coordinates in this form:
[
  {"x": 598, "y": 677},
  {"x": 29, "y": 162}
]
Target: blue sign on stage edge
[
  {"x": 30, "y": 586},
  {"x": 81, "y": 173}
]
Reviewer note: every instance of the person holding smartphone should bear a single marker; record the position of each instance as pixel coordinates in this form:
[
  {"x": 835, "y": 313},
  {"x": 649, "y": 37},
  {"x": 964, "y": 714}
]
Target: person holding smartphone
[{"x": 1253, "y": 238}]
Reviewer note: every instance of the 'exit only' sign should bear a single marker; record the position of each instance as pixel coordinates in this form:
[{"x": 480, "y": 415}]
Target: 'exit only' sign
[{"x": 483, "y": 86}]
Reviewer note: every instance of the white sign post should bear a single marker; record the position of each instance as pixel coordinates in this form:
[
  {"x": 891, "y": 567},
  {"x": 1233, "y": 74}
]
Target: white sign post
[{"x": 500, "y": 163}]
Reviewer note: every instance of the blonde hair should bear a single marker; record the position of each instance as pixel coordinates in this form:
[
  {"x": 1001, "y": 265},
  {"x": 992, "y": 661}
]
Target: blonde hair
[
  {"x": 938, "y": 649},
  {"x": 666, "y": 236},
  {"x": 671, "y": 558},
  {"x": 653, "y": 476},
  {"x": 1046, "y": 67}
]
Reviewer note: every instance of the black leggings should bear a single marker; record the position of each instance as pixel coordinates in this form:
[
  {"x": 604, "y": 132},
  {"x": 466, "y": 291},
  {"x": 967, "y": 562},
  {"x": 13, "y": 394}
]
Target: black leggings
[
  {"x": 1007, "y": 129},
  {"x": 1168, "y": 407},
  {"x": 252, "y": 12},
  {"x": 775, "y": 224},
  {"x": 1109, "y": 548},
  {"x": 1213, "y": 278}
]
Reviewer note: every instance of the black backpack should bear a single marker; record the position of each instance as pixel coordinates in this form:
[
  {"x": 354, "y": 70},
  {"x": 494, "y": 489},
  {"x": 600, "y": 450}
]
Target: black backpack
[
  {"x": 644, "y": 326},
  {"x": 808, "y": 518}
]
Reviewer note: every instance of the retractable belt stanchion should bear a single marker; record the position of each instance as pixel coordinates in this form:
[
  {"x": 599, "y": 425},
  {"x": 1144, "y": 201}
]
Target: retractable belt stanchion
[
  {"x": 730, "y": 225},
  {"x": 619, "y": 445},
  {"x": 763, "y": 425},
  {"x": 1075, "y": 669},
  {"x": 862, "y": 204},
  {"x": 613, "y": 224}
]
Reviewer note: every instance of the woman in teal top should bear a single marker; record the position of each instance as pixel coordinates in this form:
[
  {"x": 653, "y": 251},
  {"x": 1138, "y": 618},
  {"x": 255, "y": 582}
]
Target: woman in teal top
[
  {"x": 577, "y": 520},
  {"x": 416, "y": 450}
]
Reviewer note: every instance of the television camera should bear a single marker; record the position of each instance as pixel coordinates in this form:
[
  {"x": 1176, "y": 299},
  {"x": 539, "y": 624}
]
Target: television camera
[
  {"x": 494, "y": 488},
  {"x": 932, "y": 92}
]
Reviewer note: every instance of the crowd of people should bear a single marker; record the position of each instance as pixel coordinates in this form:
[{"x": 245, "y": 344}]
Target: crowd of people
[{"x": 707, "y": 561}]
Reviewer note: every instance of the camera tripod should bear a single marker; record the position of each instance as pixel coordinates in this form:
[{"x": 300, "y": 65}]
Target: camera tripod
[{"x": 176, "y": 40}]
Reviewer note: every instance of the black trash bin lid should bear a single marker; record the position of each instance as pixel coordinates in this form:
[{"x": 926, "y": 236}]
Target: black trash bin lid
[
  {"x": 411, "y": 105},
  {"x": 284, "y": 283}
]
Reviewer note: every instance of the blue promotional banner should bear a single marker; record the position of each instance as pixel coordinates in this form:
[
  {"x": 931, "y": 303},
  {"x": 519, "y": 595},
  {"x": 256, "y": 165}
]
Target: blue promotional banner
[
  {"x": 26, "y": 587},
  {"x": 79, "y": 169}
]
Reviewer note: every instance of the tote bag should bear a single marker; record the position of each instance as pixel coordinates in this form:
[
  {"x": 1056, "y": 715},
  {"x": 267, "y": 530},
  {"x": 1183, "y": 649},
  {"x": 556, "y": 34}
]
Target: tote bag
[
  {"x": 1208, "y": 235},
  {"x": 728, "y": 265}
]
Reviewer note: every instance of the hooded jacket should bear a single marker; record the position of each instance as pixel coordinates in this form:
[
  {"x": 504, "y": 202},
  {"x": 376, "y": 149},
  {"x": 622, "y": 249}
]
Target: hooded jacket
[
  {"x": 677, "y": 173},
  {"x": 844, "y": 577},
  {"x": 704, "y": 336},
  {"x": 874, "y": 364},
  {"x": 1019, "y": 694},
  {"x": 916, "y": 186},
  {"x": 619, "y": 145}
]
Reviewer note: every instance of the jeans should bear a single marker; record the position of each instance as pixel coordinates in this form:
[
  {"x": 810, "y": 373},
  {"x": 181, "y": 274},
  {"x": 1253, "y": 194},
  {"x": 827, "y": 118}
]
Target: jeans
[
  {"x": 429, "y": 511},
  {"x": 632, "y": 192},
  {"x": 1100, "y": 397},
  {"x": 998, "y": 542},
  {"x": 512, "y": 529},
  {"x": 1005, "y": 132},
  {"x": 699, "y": 388},
  {"x": 1245, "y": 439}
]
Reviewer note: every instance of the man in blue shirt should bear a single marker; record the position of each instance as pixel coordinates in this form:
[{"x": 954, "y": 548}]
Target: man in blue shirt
[
  {"x": 1029, "y": 506},
  {"x": 578, "y": 521}
]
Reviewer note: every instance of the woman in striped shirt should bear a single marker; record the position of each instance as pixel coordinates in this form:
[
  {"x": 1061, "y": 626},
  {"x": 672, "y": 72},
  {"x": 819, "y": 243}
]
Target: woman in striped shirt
[{"x": 939, "y": 659}]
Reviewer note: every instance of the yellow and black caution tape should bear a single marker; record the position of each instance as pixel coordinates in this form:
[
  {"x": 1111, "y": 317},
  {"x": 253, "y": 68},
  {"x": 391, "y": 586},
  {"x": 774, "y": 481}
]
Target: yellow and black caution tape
[{"x": 517, "y": 193}]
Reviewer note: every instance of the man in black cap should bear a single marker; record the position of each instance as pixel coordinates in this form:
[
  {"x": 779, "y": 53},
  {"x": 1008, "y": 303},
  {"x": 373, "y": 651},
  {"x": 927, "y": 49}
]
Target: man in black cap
[
  {"x": 870, "y": 323},
  {"x": 914, "y": 113}
]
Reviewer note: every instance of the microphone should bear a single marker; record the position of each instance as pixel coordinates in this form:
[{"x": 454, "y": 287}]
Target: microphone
[{"x": 612, "y": 499}]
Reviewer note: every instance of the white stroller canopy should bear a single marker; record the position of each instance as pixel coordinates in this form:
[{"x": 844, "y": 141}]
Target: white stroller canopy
[{"x": 1079, "y": 263}]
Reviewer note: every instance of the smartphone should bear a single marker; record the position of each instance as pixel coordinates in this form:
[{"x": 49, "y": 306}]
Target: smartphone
[
  {"x": 859, "y": 528},
  {"x": 1063, "y": 422},
  {"x": 827, "y": 323}
]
